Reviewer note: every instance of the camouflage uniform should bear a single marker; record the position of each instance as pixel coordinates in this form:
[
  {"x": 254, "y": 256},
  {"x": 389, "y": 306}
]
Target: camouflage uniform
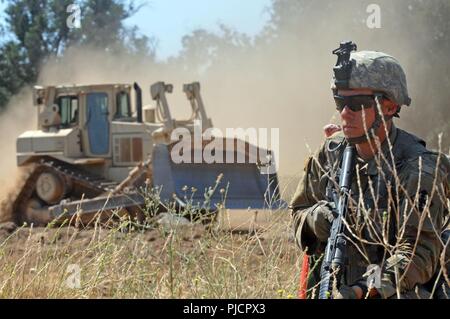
[{"x": 388, "y": 211}]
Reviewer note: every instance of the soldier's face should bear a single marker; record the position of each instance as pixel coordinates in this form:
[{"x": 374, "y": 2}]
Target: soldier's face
[{"x": 353, "y": 122}]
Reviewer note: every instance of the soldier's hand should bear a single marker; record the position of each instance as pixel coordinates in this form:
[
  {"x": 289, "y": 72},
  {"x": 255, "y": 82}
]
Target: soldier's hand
[
  {"x": 346, "y": 292},
  {"x": 319, "y": 220}
]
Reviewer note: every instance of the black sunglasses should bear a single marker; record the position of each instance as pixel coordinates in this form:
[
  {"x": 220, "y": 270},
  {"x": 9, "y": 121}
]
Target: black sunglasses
[{"x": 355, "y": 102}]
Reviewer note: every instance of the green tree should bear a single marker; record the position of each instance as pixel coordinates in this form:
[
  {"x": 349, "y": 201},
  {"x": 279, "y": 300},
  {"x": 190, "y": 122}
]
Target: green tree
[
  {"x": 38, "y": 30},
  {"x": 204, "y": 50}
]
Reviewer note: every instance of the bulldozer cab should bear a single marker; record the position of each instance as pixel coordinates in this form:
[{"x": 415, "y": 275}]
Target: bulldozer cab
[
  {"x": 91, "y": 109},
  {"x": 63, "y": 106}
]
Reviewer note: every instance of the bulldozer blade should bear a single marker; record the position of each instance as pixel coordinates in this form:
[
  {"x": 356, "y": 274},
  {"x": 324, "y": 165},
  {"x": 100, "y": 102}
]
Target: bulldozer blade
[
  {"x": 232, "y": 185},
  {"x": 205, "y": 187}
]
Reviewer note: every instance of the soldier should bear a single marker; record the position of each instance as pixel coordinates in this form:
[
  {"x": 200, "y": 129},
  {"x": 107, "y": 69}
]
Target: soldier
[{"x": 399, "y": 189}]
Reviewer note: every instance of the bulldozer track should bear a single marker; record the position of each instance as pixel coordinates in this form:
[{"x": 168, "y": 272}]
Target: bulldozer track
[{"x": 83, "y": 183}]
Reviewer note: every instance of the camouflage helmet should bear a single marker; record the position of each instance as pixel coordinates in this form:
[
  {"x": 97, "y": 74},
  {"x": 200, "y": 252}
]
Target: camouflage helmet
[{"x": 378, "y": 71}]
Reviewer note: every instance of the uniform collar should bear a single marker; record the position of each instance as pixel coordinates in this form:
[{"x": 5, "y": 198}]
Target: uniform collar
[{"x": 370, "y": 167}]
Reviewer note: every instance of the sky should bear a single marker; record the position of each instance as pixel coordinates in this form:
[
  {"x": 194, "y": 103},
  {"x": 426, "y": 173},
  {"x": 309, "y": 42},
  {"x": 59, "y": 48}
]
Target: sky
[{"x": 170, "y": 20}]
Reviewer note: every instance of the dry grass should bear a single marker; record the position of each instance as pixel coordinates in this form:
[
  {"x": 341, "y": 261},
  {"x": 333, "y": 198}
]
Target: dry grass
[{"x": 189, "y": 261}]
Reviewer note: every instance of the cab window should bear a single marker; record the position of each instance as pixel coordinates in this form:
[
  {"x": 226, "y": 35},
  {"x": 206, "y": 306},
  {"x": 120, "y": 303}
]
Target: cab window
[
  {"x": 68, "y": 110},
  {"x": 123, "y": 105}
]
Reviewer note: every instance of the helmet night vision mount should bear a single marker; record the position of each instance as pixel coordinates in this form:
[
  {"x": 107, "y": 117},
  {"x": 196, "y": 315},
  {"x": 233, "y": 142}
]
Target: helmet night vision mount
[{"x": 343, "y": 67}]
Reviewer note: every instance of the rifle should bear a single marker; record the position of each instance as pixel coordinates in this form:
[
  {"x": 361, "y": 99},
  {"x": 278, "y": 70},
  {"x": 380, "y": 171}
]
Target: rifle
[{"x": 335, "y": 252}]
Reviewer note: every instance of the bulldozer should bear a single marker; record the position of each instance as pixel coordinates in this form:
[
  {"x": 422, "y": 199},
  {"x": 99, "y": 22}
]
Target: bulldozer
[{"x": 97, "y": 146}]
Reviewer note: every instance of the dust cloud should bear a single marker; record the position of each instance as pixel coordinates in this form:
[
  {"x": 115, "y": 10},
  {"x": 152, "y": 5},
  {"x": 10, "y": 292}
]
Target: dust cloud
[
  {"x": 19, "y": 117},
  {"x": 282, "y": 84},
  {"x": 255, "y": 91}
]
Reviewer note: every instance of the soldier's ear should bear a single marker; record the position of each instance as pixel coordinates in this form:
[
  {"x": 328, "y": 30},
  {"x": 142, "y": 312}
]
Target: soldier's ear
[{"x": 389, "y": 107}]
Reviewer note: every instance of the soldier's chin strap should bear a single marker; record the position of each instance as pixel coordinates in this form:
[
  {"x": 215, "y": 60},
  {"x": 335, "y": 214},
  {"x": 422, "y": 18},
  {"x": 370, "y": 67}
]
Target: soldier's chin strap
[{"x": 371, "y": 132}]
